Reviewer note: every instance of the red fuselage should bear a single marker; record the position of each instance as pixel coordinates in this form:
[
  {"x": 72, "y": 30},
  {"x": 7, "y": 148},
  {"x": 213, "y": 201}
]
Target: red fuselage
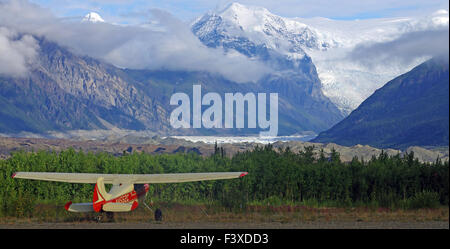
[{"x": 127, "y": 198}]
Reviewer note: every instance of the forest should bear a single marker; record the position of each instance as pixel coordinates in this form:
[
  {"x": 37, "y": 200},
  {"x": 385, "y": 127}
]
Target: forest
[{"x": 276, "y": 177}]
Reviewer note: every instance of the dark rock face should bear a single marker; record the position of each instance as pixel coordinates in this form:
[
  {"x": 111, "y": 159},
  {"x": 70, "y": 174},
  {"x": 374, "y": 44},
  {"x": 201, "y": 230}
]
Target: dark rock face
[{"x": 65, "y": 91}]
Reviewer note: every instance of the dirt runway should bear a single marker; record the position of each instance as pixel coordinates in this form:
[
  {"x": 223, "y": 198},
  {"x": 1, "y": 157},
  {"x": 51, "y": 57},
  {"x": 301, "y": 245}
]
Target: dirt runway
[{"x": 234, "y": 225}]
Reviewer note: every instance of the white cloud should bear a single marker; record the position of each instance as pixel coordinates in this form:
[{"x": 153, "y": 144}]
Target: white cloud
[
  {"x": 17, "y": 52},
  {"x": 177, "y": 48},
  {"x": 421, "y": 39},
  {"x": 405, "y": 49},
  {"x": 173, "y": 46}
]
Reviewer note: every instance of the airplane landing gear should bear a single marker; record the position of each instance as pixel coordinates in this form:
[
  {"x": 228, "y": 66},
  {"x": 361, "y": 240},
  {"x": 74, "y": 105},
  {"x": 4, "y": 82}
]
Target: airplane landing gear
[
  {"x": 100, "y": 217},
  {"x": 158, "y": 215}
]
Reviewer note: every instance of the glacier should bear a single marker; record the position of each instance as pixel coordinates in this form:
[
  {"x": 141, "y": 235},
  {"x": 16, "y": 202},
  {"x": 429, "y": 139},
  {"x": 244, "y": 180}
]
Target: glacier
[{"x": 253, "y": 31}]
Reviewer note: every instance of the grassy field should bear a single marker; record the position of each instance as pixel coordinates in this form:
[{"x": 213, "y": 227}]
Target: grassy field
[
  {"x": 254, "y": 214},
  {"x": 282, "y": 189}
]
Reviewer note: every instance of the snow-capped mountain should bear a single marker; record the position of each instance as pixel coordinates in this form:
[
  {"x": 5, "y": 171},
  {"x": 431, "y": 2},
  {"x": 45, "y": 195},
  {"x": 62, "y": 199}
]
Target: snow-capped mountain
[
  {"x": 279, "y": 43},
  {"x": 261, "y": 27},
  {"x": 254, "y": 31},
  {"x": 93, "y": 17},
  {"x": 284, "y": 42}
]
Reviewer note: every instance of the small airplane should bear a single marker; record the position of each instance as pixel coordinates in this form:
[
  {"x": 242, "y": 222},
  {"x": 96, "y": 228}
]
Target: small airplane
[{"x": 127, "y": 189}]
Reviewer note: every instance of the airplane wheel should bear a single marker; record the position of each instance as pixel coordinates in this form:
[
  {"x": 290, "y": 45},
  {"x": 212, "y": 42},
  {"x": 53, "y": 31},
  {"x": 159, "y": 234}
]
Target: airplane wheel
[
  {"x": 99, "y": 218},
  {"x": 158, "y": 215}
]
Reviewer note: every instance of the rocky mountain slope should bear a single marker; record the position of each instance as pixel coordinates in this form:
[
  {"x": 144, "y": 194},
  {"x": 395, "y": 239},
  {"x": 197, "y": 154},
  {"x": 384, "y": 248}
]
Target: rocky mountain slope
[
  {"x": 412, "y": 109},
  {"x": 66, "y": 91}
]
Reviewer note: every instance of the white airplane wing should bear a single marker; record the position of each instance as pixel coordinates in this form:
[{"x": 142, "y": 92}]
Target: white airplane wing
[{"x": 127, "y": 178}]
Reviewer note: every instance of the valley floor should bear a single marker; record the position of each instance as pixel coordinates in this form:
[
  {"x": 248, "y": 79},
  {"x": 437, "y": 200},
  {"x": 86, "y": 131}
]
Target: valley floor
[{"x": 10, "y": 145}]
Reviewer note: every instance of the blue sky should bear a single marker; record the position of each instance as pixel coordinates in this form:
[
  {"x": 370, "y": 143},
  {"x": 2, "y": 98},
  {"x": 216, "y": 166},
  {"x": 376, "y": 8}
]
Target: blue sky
[{"x": 135, "y": 11}]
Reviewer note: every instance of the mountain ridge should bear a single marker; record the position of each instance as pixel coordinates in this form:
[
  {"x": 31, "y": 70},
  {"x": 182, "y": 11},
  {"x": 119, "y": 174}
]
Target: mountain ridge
[
  {"x": 411, "y": 109},
  {"x": 65, "y": 91}
]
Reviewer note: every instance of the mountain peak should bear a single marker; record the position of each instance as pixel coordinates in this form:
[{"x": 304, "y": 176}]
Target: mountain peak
[
  {"x": 259, "y": 27},
  {"x": 245, "y": 15},
  {"x": 93, "y": 17}
]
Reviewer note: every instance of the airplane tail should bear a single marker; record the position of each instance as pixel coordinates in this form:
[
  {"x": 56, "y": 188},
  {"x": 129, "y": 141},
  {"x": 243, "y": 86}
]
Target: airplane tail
[{"x": 102, "y": 200}]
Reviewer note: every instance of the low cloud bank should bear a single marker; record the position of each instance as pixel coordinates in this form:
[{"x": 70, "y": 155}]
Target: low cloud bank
[
  {"x": 171, "y": 45},
  {"x": 404, "y": 49},
  {"x": 17, "y": 52}
]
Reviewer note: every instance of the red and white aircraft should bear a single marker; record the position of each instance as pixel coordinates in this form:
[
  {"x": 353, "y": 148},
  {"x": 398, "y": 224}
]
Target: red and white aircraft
[{"x": 127, "y": 190}]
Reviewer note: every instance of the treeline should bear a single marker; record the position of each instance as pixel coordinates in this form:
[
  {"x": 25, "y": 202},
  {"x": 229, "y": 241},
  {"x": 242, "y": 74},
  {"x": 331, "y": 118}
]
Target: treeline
[{"x": 275, "y": 177}]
